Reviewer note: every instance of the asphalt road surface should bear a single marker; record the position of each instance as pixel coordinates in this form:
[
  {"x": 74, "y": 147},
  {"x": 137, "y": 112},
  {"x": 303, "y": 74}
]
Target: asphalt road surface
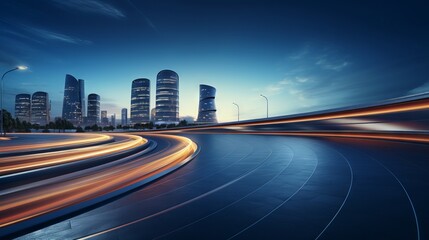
[{"x": 271, "y": 187}]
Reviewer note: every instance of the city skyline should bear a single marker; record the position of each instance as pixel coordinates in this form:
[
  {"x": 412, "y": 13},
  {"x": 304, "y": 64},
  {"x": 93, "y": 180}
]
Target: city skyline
[{"x": 301, "y": 58}]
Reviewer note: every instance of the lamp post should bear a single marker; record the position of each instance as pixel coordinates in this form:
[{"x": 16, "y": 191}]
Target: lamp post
[
  {"x": 238, "y": 112},
  {"x": 2, "y": 132},
  {"x": 267, "y": 103}
]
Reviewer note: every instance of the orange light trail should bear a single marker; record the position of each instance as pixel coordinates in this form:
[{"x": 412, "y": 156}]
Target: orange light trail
[
  {"x": 84, "y": 138},
  {"x": 19, "y": 206},
  {"x": 15, "y": 164}
]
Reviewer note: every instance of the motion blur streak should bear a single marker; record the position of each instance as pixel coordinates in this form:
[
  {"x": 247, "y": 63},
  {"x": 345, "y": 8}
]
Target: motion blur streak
[
  {"x": 84, "y": 138},
  {"x": 393, "y": 108},
  {"x": 33, "y": 161},
  {"x": 54, "y": 195}
]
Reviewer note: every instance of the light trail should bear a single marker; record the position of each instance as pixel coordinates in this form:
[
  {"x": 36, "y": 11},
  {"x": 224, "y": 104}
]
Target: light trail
[
  {"x": 84, "y": 138},
  {"x": 16, "y": 164},
  {"x": 55, "y": 195}
]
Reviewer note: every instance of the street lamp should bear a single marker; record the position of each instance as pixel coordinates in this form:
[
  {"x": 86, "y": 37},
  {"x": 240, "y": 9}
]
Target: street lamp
[
  {"x": 1, "y": 97},
  {"x": 238, "y": 112},
  {"x": 267, "y": 103}
]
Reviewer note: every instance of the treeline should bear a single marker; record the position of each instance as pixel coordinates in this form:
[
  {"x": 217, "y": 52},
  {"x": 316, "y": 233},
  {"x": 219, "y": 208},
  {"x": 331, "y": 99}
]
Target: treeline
[{"x": 61, "y": 125}]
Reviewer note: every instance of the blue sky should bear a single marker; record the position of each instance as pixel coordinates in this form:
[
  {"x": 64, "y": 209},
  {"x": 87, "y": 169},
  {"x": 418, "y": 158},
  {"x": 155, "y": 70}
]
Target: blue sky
[{"x": 303, "y": 55}]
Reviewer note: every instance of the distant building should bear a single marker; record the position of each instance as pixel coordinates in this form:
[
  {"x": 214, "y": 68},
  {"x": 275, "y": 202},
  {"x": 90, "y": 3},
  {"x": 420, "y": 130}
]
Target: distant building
[
  {"x": 152, "y": 114},
  {"x": 93, "y": 114},
  {"x": 124, "y": 117},
  {"x": 73, "y": 102},
  {"x": 113, "y": 120},
  {"x": 40, "y": 108},
  {"x": 82, "y": 96},
  {"x": 23, "y": 107},
  {"x": 167, "y": 97},
  {"x": 104, "y": 119},
  {"x": 207, "y": 108},
  {"x": 140, "y": 101}
]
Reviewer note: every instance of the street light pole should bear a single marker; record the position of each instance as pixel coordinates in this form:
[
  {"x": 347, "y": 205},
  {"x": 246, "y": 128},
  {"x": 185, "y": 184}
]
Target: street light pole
[
  {"x": 267, "y": 103},
  {"x": 238, "y": 112},
  {"x": 2, "y": 132}
]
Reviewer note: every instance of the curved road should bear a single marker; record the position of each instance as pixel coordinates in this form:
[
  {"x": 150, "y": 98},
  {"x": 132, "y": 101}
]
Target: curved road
[{"x": 272, "y": 187}]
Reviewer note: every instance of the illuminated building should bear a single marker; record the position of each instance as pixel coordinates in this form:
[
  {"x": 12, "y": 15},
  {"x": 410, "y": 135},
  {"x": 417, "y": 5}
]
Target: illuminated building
[
  {"x": 23, "y": 107},
  {"x": 167, "y": 97},
  {"x": 104, "y": 119},
  {"x": 93, "y": 114},
  {"x": 40, "y": 108},
  {"x": 207, "y": 108},
  {"x": 73, "y": 100},
  {"x": 140, "y": 101}
]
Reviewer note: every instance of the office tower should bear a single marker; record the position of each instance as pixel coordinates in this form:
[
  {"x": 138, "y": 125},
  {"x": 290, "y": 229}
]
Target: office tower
[
  {"x": 113, "y": 120},
  {"x": 72, "y": 104},
  {"x": 124, "y": 117},
  {"x": 40, "y": 108},
  {"x": 82, "y": 96},
  {"x": 23, "y": 107},
  {"x": 207, "y": 108},
  {"x": 152, "y": 114},
  {"x": 167, "y": 97},
  {"x": 140, "y": 100},
  {"x": 93, "y": 114},
  {"x": 104, "y": 119}
]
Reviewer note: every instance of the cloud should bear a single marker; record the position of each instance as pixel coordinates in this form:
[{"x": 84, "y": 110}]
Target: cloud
[
  {"x": 91, "y": 6},
  {"x": 147, "y": 20},
  {"x": 54, "y": 36},
  {"x": 336, "y": 66}
]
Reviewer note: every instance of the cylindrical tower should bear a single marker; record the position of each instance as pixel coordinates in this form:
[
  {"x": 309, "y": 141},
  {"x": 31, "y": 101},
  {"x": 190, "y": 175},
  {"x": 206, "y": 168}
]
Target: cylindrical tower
[
  {"x": 167, "y": 97},
  {"x": 207, "y": 108},
  {"x": 140, "y": 101},
  {"x": 40, "y": 108},
  {"x": 23, "y": 107},
  {"x": 93, "y": 113}
]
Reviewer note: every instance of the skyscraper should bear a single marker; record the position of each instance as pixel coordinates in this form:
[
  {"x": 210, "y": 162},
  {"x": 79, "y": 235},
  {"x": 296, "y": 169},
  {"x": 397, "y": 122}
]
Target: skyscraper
[
  {"x": 124, "y": 117},
  {"x": 82, "y": 96},
  {"x": 207, "y": 108},
  {"x": 113, "y": 120},
  {"x": 93, "y": 115},
  {"x": 40, "y": 108},
  {"x": 104, "y": 119},
  {"x": 23, "y": 107},
  {"x": 167, "y": 97},
  {"x": 72, "y": 104},
  {"x": 140, "y": 100}
]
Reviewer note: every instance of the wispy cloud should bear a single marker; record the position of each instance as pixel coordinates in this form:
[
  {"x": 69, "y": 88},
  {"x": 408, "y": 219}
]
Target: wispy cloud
[
  {"x": 54, "y": 36},
  {"x": 91, "y": 6},
  {"x": 146, "y": 19},
  {"x": 329, "y": 65}
]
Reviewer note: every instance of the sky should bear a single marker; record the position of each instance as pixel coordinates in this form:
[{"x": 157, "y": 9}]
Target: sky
[{"x": 303, "y": 55}]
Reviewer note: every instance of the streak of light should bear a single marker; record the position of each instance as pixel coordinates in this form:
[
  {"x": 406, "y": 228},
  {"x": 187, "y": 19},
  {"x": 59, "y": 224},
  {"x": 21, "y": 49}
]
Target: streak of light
[
  {"x": 33, "y": 161},
  {"x": 84, "y": 138},
  {"x": 55, "y": 195}
]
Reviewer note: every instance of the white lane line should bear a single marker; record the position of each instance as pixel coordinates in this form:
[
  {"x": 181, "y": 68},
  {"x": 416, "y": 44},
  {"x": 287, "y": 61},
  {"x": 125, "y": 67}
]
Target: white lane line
[
  {"x": 345, "y": 199},
  {"x": 238, "y": 200},
  {"x": 178, "y": 205},
  {"x": 406, "y": 193},
  {"x": 284, "y": 202}
]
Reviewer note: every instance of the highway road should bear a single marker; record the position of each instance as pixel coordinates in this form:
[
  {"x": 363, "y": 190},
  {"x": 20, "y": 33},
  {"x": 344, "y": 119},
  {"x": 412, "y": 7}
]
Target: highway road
[{"x": 270, "y": 187}]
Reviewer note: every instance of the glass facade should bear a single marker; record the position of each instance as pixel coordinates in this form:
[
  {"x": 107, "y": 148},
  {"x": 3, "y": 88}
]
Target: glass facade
[
  {"x": 140, "y": 101},
  {"x": 93, "y": 114},
  {"x": 23, "y": 107},
  {"x": 207, "y": 108},
  {"x": 124, "y": 117},
  {"x": 40, "y": 108},
  {"x": 167, "y": 97},
  {"x": 72, "y": 104}
]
